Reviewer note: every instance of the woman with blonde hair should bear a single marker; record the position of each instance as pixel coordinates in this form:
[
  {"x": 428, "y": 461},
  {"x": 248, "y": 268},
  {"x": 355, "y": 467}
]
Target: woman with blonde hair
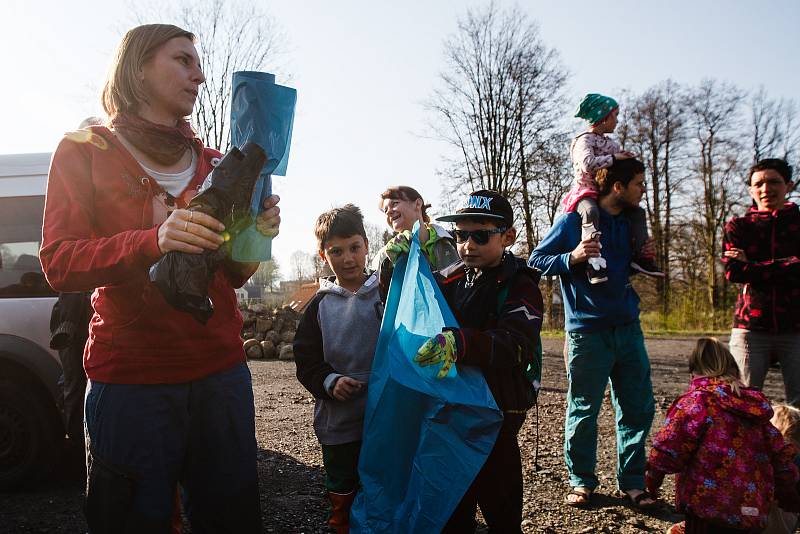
[
  {"x": 169, "y": 400},
  {"x": 718, "y": 437}
]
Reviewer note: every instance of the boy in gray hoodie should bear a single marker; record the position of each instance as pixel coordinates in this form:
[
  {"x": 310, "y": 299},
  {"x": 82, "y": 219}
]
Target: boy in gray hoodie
[{"x": 333, "y": 350}]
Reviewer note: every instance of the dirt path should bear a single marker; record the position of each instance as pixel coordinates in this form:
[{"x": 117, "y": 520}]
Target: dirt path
[{"x": 289, "y": 462}]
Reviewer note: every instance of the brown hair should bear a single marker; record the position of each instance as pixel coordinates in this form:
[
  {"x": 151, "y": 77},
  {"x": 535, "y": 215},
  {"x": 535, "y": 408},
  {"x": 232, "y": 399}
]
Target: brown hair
[
  {"x": 787, "y": 419},
  {"x": 346, "y": 221},
  {"x": 623, "y": 170},
  {"x": 123, "y": 90},
  {"x": 403, "y": 192},
  {"x": 712, "y": 359},
  {"x": 778, "y": 165}
]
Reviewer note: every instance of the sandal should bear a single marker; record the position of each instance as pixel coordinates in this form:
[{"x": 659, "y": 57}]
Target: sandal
[
  {"x": 636, "y": 502},
  {"x": 584, "y": 497}
]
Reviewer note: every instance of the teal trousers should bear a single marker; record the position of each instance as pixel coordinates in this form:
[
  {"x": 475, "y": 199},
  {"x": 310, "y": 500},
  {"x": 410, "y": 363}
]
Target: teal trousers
[{"x": 617, "y": 354}]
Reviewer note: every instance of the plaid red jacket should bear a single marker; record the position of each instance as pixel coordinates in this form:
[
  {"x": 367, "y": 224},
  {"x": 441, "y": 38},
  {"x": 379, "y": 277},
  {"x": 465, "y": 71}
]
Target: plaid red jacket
[{"x": 769, "y": 299}]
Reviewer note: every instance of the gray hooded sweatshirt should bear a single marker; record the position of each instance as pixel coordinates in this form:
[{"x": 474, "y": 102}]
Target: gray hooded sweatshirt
[{"x": 336, "y": 337}]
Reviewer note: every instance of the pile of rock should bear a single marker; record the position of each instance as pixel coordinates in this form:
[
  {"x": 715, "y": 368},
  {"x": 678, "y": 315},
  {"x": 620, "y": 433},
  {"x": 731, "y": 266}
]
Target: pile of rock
[{"x": 268, "y": 333}]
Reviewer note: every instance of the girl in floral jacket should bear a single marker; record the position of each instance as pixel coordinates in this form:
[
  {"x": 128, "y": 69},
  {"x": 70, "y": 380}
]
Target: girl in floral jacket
[{"x": 731, "y": 463}]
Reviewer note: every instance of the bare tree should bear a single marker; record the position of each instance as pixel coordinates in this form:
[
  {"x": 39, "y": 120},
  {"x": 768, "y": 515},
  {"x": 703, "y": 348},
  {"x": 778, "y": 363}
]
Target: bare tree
[
  {"x": 654, "y": 127},
  {"x": 539, "y": 80},
  {"x": 301, "y": 265},
  {"x": 500, "y": 96},
  {"x": 319, "y": 267},
  {"x": 232, "y": 35},
  {"x": 773, "y": 127},
  {"x": 551, "y": 168},
  {"x": 267, "y": 275},
  {"x": 552, "y": 171},
  {"x": 377, "y": 236},
  {"x": 6, "y": 256},
  {"x": 714, "y": 119}
]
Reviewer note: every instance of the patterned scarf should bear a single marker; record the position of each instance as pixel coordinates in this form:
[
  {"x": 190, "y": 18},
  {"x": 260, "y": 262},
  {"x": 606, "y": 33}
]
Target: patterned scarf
[{"x": 163, "y": 144}]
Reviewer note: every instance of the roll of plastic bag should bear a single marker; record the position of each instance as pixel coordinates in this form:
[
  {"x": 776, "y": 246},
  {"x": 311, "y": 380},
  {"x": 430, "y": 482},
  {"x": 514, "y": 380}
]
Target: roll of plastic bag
[{"x": 262, "y": 112}]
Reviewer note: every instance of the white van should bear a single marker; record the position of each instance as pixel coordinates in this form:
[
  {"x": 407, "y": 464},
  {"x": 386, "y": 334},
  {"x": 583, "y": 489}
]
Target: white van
[{"x": 31, "y": 427}]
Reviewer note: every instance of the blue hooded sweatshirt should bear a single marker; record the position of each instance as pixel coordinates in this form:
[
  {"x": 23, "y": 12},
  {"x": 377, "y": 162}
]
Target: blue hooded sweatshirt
[{"x": 590, "y": 307}]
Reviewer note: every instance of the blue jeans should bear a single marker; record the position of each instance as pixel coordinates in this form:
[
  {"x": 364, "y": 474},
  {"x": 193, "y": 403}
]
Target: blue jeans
[
  {"x": 617, "y": 354},
  {"x": 144, "y": 439}
]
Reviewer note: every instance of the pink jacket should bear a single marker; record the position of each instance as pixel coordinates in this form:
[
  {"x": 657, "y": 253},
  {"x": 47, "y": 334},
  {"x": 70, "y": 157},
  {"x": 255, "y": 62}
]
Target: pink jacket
[
  {"x": 590, "y": 152},
  {"x": 731, "y": 462}
]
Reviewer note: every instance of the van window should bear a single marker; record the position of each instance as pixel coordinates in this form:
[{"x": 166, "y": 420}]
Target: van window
[{"x": 20, "y": 236}]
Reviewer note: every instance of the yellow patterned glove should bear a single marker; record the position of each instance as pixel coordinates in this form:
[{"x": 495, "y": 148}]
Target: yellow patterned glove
[
  {"x": 439, "y": 348},
  {"x": 398, "y": 245}
]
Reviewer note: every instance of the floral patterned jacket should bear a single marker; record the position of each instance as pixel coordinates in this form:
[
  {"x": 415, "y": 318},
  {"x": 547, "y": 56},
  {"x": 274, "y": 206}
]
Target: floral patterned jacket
[{"x": 731, "y": 462}]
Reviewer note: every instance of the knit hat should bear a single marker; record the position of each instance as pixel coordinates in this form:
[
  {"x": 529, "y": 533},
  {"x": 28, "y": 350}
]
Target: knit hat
[{"x": 595, "y": 107}]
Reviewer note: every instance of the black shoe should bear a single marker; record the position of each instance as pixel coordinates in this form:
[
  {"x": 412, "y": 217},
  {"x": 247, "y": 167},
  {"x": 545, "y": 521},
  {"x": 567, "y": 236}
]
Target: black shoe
[
  {"x": 647, "y": 266},
  {"x": 596, "y": 275}
]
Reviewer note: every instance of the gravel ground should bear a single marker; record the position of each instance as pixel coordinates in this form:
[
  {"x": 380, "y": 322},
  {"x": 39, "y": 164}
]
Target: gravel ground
[{"x": 290, "y": 462}]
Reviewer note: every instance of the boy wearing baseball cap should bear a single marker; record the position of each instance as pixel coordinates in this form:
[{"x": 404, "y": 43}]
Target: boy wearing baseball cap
[{"x": 497, "y": 303}]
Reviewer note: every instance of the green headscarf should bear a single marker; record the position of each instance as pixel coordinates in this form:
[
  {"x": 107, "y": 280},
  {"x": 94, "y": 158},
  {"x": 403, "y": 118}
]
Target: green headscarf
[{"x": 595, "y": 107}]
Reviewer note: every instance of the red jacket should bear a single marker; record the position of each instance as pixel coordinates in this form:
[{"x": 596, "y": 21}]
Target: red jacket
[
  {"x": 99, "y": 233},
  {"x": 769, "y": 299},
  {"x": 731, "y": 461}
]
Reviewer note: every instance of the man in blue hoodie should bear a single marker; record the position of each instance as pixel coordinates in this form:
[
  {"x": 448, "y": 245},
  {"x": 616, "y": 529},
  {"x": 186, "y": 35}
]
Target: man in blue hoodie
[{"x": 604, "y": 338}]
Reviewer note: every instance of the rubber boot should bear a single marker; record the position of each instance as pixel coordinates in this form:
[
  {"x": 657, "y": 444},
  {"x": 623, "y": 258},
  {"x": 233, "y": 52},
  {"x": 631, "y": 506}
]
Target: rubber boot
[
  {"x": 340, "y": 511},
  {"x": 177, "y": 518}
]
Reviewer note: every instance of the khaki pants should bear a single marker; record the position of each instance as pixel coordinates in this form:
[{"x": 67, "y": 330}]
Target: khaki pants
[
  {"x": 780, "y": 522},
  {"x": 754, "y": 352}
]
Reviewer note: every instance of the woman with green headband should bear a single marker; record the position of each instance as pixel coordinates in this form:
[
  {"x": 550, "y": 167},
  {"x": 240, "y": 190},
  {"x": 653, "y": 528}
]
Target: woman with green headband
[{"x": 592, "y": 151}]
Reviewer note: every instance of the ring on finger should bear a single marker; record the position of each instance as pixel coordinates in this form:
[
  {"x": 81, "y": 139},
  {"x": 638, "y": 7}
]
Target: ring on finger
[
  {"x": 191, "y": 214},
  {"x": 186, "y": 226}
]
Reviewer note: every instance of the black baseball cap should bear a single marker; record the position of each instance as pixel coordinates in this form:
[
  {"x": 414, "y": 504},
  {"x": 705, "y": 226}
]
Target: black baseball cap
[{"x": 484, "y": 204}]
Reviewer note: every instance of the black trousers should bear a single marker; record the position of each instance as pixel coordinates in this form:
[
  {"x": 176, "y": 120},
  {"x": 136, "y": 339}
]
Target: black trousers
[
  {"x": 74, "y": 388},
  {"x": 498, "y": 487}
]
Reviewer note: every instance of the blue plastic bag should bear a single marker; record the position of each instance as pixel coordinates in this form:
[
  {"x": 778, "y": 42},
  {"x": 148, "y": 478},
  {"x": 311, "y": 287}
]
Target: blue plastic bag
[
  {"x": 425, "y": 439},
  {"x": 261, "y": 112}
]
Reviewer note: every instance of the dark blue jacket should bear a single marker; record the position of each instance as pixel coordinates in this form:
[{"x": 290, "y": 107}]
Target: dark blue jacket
[
  {"x": 500, "y": 320},
  {"x": 587, "y": 307}
]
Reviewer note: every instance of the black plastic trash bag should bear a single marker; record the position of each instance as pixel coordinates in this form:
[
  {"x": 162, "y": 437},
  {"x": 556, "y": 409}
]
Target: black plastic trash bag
[{"x": 226, "y": 195}]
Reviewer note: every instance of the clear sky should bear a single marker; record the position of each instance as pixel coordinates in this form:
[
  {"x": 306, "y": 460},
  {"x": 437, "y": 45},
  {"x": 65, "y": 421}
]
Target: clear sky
[{"x": 363, "y": 69}]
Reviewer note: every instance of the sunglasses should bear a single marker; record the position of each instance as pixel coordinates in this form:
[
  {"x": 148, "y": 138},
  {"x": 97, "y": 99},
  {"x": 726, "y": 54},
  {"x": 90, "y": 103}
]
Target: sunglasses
[{"x": 480, "y": 237}]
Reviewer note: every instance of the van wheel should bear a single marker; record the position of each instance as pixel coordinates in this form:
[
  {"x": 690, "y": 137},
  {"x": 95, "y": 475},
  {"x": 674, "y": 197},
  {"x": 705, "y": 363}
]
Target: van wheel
[{"x": 29, "y": 435}]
